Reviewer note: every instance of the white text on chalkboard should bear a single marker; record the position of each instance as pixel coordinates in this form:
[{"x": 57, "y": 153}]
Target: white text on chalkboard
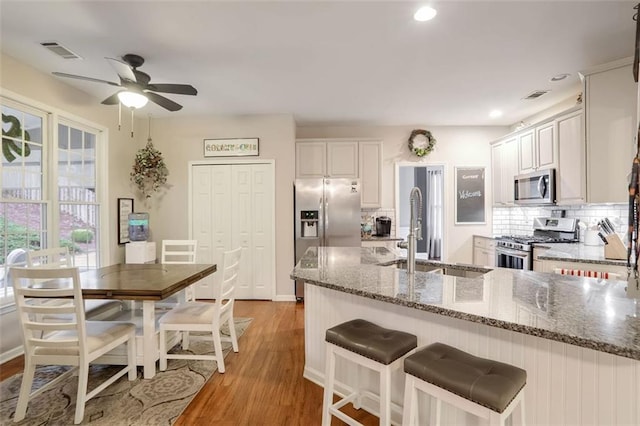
[{"x": 468, "y": 194}]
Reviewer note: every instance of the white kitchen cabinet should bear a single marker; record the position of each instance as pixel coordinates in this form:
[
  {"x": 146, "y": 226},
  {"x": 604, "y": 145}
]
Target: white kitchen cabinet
[
  {"x": 504, "y": 166},
  {"x": 610, "y": 129},
  {"x": 311, "y": 159},
  {"x": 537, "y": 148},
  {"x": 370, "y": 166},
  {"x": 571, "y": 174},
  {"x": 344, "y": 159},
  {"x": 484, "y": 251}
]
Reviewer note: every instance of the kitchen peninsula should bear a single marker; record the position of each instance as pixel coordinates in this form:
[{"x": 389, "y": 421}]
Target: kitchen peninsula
[{"x": 578, "y": 338}]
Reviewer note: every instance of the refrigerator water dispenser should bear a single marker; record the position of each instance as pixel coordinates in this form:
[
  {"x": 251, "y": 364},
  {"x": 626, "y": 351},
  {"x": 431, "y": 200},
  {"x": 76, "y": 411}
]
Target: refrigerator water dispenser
[{"x": 309, "y": 223}]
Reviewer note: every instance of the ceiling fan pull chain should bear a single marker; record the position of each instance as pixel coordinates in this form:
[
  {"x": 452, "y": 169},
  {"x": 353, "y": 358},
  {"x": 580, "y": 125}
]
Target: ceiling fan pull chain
[
  {"x": 119, "y": 115},
  {"x": 132, "y": 121}
]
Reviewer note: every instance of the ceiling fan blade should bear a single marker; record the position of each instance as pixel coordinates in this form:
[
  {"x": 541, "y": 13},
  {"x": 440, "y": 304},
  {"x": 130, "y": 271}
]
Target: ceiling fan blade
[
  {"x": 122, "y": 68},
  {"x": 163, "y": 102},
  {"x": 112, "y": 100},
  {"x": 179, "y": 89},
  {"x": 80, "y": 77}
]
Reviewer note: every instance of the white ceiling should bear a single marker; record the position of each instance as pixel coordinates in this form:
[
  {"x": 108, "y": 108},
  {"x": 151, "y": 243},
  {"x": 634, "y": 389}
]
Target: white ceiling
[{"x": 332, "y": 62}]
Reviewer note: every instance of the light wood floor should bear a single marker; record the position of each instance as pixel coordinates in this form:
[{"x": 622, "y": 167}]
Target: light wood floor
[{"x": 263, "y": 383}]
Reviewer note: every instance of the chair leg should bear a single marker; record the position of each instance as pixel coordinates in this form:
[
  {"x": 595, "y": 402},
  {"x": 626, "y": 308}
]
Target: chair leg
[
  {"x": 522, "y": 412},
  {"x": 131, "y": 356},
  {"x": 83, "y": 378},
  {"x": 217, "y": 344},
  {"x": 232, "y": 333},
  {"x": 25, "y": 391},
  {"x": 163, "y": 349},
  {"x": 185, "y": 340},
  {"x": 329, "y": 379}
]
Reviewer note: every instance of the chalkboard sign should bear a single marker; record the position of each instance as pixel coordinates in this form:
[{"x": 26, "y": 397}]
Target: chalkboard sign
[{"x": 470, "y": 195}]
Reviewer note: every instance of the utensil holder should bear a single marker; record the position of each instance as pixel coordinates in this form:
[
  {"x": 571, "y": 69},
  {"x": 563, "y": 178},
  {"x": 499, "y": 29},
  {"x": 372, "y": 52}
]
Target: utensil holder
[{"x": 614, "y": 249}]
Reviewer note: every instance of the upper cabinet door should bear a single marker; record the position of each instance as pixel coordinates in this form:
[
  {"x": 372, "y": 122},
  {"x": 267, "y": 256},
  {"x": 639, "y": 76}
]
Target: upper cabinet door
[
  {"x": 342, "y": 159},
  {"x": 526, "y": 150},
  {"x": 545, "y": 146},
  {"x": 571, "y": 175},
  {"x": 311, "y": 159},
  {"x": 370, "y": 154}
]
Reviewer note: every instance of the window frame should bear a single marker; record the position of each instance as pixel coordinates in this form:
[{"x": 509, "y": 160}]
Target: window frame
[{"x": 52, "y": 118}]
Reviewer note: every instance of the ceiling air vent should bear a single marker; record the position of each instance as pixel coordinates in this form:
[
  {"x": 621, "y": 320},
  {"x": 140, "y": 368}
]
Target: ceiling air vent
[
  {"x": 536, "y": 94},
  {"x": 60, "y": 50}
]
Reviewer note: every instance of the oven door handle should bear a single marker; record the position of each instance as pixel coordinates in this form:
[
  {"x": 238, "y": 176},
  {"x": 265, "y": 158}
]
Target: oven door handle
[{"x": 510, "y": 252}]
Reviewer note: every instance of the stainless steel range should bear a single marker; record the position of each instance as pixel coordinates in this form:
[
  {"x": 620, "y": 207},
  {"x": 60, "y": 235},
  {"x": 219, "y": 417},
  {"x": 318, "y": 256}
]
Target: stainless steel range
[{"x": 516, "y": 251}]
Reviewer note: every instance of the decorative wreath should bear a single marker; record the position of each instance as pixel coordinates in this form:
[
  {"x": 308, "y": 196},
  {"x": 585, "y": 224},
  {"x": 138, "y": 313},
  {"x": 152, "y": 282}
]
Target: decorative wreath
[{"x": 421, "y": 147}]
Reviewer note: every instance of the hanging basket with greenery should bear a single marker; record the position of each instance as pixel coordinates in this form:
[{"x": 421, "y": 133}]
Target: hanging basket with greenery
[{"x": 149, "y": 172}]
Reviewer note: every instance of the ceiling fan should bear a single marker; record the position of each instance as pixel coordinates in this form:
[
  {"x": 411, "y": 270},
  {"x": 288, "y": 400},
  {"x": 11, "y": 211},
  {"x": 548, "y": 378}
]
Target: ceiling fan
[{"x": 137, "y": 84}]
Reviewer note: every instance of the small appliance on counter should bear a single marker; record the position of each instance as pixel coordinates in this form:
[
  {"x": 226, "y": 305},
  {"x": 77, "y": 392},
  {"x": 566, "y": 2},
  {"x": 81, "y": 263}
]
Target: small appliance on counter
[{"x": 383, "y": 226}]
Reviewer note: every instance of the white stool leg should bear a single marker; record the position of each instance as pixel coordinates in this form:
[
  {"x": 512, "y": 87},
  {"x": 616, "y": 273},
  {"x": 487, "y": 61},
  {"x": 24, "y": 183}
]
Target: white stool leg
[
  {"x": 330, "y": 369},
  {"x": 385, "y": 396},
  {"x": 408, "y": 419},
  {"x": 522, "y": 412},
  {"x": 357, "y": 402},
  {"x": 438, "y": 411}
]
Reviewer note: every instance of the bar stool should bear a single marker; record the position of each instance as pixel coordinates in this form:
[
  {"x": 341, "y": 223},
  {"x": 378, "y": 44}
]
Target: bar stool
[
  {"x": 483, "y": 387},
  {"x": 370, "y": 346}
]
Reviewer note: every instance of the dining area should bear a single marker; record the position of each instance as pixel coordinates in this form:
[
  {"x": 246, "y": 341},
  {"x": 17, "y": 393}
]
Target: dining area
[{"x": 123, "y": 315}]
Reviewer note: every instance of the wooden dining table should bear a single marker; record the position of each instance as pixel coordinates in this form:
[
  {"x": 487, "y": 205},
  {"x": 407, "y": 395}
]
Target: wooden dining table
[{"x": 148, "y": 283}]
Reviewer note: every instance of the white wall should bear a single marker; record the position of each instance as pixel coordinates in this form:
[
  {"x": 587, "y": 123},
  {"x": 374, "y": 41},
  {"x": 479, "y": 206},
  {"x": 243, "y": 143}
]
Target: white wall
[
  {"x": 180, "y": 140},
  {"x": 456, "y": 146}
]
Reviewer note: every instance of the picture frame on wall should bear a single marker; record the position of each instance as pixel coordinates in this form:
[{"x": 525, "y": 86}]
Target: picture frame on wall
[
  {"x": 125, "y": 206},
  {"x": 470, "y": 196},
  {"x": 231, "y": 147}
]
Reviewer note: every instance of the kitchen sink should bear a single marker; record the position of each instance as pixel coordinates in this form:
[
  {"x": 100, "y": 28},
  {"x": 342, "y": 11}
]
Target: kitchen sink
[{"x": 452, "y": 270}]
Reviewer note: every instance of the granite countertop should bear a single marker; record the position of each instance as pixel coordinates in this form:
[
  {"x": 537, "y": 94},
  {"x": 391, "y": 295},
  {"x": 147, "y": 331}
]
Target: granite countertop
[
  {"x": 577, "y": 252},
  {"x": 587, "y": 312},
  {"x": 377, "y": 238}
]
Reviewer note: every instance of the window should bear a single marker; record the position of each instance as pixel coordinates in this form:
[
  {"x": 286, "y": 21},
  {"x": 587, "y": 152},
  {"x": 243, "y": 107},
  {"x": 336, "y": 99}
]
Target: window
[{"x": 50, "y": 196}]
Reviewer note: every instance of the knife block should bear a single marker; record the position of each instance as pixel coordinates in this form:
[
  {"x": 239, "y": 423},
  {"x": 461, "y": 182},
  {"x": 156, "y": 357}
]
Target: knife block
[{"x": 614, "y": 249}]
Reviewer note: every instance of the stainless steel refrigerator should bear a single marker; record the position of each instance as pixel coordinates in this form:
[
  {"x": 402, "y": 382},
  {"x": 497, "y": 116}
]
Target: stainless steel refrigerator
[{"x": 327, "y": 213}]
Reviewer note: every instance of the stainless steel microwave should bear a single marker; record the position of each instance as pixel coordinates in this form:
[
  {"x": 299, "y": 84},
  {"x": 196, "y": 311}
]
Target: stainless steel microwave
[{"x": 537, "y": 188}]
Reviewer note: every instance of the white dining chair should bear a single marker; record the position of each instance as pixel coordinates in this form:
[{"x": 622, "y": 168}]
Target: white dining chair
[
  {"x": 206, "y": 317},
  {"x": 59, "y": 257},
  {"x": 179, "y": 252},
  {"x": 70, "y": 341}
]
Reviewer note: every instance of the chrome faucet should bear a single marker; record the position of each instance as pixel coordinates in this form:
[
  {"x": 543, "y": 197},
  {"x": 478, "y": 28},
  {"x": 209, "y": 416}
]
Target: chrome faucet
[{"x": 415, "y": 229}]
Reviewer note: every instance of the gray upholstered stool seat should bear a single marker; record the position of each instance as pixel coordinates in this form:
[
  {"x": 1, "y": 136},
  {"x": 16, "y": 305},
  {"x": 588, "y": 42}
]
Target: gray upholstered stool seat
[
  {"x": 372, "y": 341},
  {"x": 484, "y": 387},
  {"x": 370, "y": 346}
]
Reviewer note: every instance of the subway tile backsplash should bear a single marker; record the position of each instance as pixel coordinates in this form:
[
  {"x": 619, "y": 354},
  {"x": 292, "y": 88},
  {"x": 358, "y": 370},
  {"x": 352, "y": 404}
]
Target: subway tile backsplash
[{"x": 519, "y": 220}]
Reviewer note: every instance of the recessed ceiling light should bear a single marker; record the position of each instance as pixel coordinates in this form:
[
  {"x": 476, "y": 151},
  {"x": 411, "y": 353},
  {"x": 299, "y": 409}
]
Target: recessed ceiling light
[
  {"x": 559, "y": 77},
  {"x": 495, "y": 113},
  {"x": 425, "y": 13}
]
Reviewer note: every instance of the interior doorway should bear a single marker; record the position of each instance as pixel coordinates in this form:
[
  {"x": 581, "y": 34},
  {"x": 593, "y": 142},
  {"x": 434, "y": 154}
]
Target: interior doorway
[{"x": 430, "y": 179}]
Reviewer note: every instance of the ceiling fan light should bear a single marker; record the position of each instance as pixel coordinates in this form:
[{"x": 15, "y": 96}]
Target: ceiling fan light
[{"x": 132, "y": 99}]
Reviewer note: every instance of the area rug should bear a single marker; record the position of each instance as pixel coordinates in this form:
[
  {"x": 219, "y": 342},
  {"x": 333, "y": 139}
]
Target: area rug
[{"x": 157, "y": 401}]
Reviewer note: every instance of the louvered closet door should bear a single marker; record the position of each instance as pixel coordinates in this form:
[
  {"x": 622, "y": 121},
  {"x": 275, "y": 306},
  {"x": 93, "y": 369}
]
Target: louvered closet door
[{"x": 234, "y": 208}]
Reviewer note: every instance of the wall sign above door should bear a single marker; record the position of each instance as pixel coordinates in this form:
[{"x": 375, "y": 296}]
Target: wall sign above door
[{"x": 231, "y": 147}]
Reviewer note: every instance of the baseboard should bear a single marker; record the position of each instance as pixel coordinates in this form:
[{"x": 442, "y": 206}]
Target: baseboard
[
  {"x": 11, "y": 354},
  {"x": 284, "y": 298}
]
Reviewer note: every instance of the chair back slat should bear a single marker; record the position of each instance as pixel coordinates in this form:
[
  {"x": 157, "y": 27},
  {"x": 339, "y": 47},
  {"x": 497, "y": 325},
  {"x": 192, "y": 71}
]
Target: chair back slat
[
  {"x": 230, "y": 270},
  {"x": 179, "y": 251},
  {"x": 33, "y": 303},
  {"x": 55, "y": 257}
]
